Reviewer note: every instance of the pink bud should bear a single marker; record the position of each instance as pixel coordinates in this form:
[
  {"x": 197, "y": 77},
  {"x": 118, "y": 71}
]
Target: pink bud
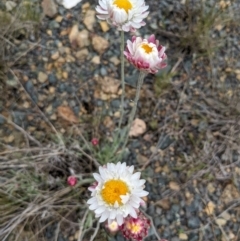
[
  {"x": 95, "y": 141},
  {"x": 112, "y": 227},
  {"x": 72, "y": 181}
]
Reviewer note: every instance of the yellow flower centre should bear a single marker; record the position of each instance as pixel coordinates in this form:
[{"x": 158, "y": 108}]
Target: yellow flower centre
[
  {"x": 147, "y": 48},
  {"x": 123, "y": 4},
  {"x": 112, "y": 190},
  {"x": 134, "y": 227}
]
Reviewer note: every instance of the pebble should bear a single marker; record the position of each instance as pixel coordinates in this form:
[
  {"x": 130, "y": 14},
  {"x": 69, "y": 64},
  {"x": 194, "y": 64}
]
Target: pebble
[
  {"x": 55, "y": 55},
  {"x": 193, "y": 222},
  {"x": 99, "y": 44},
  {"x": 49, "y": 8},
  {"x": 2, "y": 120},
  {"x": 42, "y": 77},
  {"x": 82, "y": 54},
  {"x": 59, "y": 18},
  {"x": 174, "y": 186},
  {"x": 164, "y": 203},
  {"x": 82, "y": 38},
  {"x": 89, "y": 19},
  {"x": 9, "y": 139},
  {"x": 220, "y": 221},
  {"x": 183, "y": 236},
  {"x": 52, "y": 90},
  {"x": 104, "y": 26},
  {"x": 96, "y": 60},
  {"x": 30, "y": 89},
  {"x": 52, "y": 78}
]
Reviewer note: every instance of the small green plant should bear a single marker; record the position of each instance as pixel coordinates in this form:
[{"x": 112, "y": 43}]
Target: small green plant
[{"x": 162, "y": 82}]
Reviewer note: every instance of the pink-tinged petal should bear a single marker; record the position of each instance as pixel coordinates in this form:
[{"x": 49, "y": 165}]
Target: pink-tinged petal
[
  {"x": 148, "y": 59},
  {"x": 100, "y": 10},
  {"x": 152, "y": 39}
]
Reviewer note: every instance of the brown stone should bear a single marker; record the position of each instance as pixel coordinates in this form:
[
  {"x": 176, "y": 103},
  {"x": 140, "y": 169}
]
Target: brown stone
[{"x": 49, "y": 8}]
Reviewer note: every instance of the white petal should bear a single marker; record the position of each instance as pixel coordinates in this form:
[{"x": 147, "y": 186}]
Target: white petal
[
  {"x": 132, "y": 211},
  {"x": 113, "y": 214},
  {"x": 92, "y": 200},
  {"x": 125, "y": 198},
  {"x": 70, "y": 3},
  {"x": 100, "y": 209},
  {"x": 97, "y": 177},
  {"x": 119, "y": 219},
  {"x": 104, "y": 216},
  {"x": 131, "y": 168},
  {"x": 93, "y": 206},
  {"x": 136, "y": 176}
]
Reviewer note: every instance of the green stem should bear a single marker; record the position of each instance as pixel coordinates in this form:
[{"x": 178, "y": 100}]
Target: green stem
[
  {"x": 134, "y": 109},
  {"x": 122, "y": 80}
]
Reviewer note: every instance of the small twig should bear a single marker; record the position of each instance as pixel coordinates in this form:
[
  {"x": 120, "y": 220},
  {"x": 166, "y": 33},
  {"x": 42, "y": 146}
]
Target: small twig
[
  {"x": 176, "y": 65},
  {"x": 21, "y": 130},
  {"x": 222, "y": 230},
  {"x": 95, "y": 232},
  {"x": 6, "y": 40},
  {"x": 43, "y": 115},
  {"x": 88, "y": 156},
  {"x": 21, "y": 55},
  {"x": 153, "y": 226},
  {"x": 80, "y": 236},
  {"x": 57, "y": 232}
]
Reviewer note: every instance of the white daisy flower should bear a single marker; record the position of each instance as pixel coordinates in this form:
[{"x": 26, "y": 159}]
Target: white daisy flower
[
  {"x": 126, "y": 15},
  {"x": 70, "y": 3},
  {"x": 117, "y": 193}
]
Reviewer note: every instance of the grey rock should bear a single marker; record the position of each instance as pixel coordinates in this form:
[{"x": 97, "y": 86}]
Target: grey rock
[
  {"x": 165, "y": 142},
  {"x": 175, "y": 208},
  {"x": 157, "y": 221},
  {"x": 99, "y": 103},
  {"x": 52, "y": 78},
  {"x": 115, "y": 103},
  {"x": 53, "y": 24},
  {"x": 31, "y": 91},
  {"x": 166, "y": 233},
  {"x": 2, "y": 120},
  {"x": 193, "y": 222},
  {"x": 194, "y": 237},
  {"x": 170, "y": 217},
  {"x": 175, "y": 239},
  {"x": 62, "y": 87},
  {"x": 103, "y": 71},
  {"x": 164, "y": 221},
  {"x": 151, "y": 210}
]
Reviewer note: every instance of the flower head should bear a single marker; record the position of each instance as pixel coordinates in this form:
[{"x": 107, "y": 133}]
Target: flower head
[
  {"x": 126, "y": 15},
  {"x": 112, "y": 227},
  {"x": 146, "y": 54},
  {"x": 70, "y": 3},
  {"x": 94, "y": 141},
  {"x": 117, "y": 194},
  {"x": 72, "y": 181},
  {"x": 135, "y": 228}
]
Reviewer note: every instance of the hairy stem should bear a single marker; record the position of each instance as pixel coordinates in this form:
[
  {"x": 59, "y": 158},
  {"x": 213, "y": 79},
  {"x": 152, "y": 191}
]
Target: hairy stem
[
  {"x": 122, "y": 80},
  {"x": 134, "y": 109}
]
